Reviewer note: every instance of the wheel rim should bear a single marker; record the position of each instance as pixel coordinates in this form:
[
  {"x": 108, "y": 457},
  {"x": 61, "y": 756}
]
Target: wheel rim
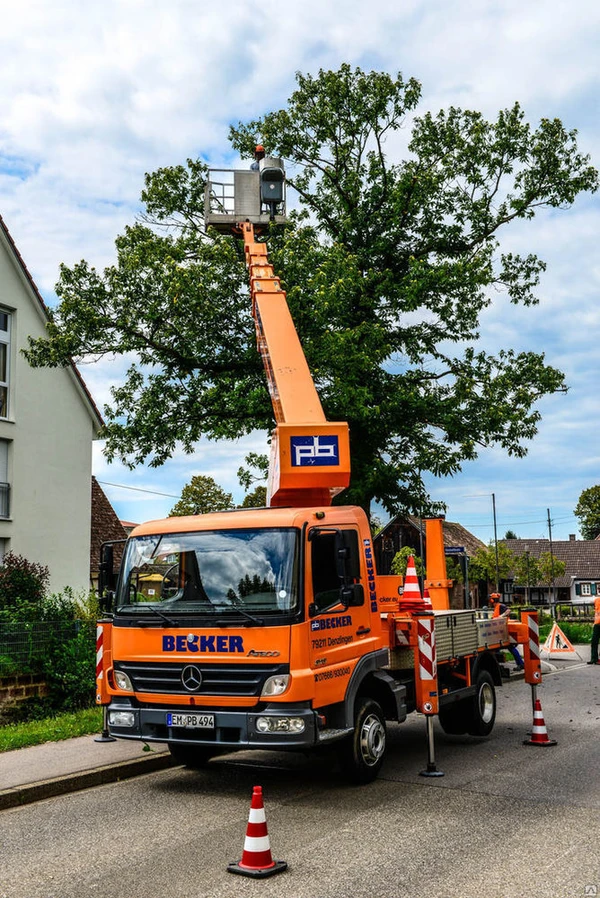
[
  {"x": 486, "y": 702},
  {"x": 372, "y": 740}
]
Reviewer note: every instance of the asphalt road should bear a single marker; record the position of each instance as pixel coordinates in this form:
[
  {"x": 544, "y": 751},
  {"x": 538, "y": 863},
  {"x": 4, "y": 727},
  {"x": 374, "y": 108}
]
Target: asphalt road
[{"x": 506, "y": 820}]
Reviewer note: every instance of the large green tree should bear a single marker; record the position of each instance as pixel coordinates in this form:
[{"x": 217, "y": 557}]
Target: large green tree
[
  {"x": 588, "y": 512},
  {"x": 388, "y": 264}
]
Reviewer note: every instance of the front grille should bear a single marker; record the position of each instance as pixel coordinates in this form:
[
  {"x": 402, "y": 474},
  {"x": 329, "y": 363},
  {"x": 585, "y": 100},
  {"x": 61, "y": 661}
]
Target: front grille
[{"x": 217, "y": 679}]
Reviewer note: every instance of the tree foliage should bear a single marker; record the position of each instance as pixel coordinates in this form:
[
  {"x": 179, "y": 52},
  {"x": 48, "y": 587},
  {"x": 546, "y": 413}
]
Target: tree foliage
[
  {"x": 257, "y": 470},
  {"x": 531, "y": 571},
  {"x": 256, "y": 498},
  {"x": 201, "y": 496},
  {"x": 588, "y": 512},
  {"x": 388, "y": 265},
  {"x": 400, "y": 562},
  {"x": 526, "y": 570},
  {"x": 23, "y": 586},
  {"x": 482, "y": 565},
  {"x": 550, "y": 568}
]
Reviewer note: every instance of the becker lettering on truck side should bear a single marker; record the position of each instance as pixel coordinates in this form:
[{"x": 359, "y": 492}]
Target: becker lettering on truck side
[
  {"x": 370, "y": 574},
  {"x": 194, "y": 643},
  {"x": 331, "y": 623}
]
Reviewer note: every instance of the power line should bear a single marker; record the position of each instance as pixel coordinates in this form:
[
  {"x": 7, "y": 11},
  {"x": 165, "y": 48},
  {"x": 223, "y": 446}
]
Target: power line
[{"x": 138, "y": 489}]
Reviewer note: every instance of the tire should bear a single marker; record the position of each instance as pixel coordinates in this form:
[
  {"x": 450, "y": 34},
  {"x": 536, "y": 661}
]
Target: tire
[
  {"x": 454, "y": 718},
  {"x": 363, "y": 752},
  {"x": 193, "y": 756},
  {"x": 483, "y": 707}
]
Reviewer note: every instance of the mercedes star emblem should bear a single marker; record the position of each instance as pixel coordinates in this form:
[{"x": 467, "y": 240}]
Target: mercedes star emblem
[{"x": 191, "y": 678}]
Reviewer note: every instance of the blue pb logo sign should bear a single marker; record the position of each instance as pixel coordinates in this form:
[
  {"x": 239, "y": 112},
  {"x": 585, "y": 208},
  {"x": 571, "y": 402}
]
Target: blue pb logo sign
[{"x": 315, "y": 451}]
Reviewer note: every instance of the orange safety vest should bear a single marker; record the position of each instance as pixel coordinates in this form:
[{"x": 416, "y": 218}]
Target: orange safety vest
[
  {"x": 597, "y": 610},
  {"x": 497, "y": 610}
]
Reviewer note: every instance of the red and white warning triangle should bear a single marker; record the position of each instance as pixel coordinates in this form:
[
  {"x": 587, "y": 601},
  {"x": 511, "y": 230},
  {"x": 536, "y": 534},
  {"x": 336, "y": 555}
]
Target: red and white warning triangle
[{"x": 558, "y": 646}]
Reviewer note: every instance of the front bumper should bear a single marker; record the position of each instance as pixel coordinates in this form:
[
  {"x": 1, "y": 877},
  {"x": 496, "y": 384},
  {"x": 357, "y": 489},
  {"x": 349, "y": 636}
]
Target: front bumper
[{"x": 233, "y": 729}]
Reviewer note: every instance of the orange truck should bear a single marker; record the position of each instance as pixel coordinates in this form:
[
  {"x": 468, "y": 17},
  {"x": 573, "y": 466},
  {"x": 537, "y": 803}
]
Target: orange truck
[{"x": 270, "y": 628}]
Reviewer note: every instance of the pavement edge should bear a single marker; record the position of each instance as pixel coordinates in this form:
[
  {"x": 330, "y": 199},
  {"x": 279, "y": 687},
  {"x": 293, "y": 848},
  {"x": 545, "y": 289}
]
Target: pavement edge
[{"x": 85, "y": 779}]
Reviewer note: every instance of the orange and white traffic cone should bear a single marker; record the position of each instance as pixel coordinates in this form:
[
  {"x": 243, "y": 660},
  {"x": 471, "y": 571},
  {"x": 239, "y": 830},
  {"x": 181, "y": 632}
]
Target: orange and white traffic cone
[
  {"x": 412, "y": 590},
  {"x": 411, "y": 599},
  {"x": 257, "y": 860},
  {"x": 539, "y": 733},
  {"x": 426, "y": 596}
]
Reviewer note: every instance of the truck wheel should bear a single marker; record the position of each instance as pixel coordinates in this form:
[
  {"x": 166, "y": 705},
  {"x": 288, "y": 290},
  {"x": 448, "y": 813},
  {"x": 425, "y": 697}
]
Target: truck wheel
[
  {"x": 454, "y": 718},
  {"x": 483, "y": 708},
  {"x": 193, "y": 756},
  {"x": 363, "y": 752}
]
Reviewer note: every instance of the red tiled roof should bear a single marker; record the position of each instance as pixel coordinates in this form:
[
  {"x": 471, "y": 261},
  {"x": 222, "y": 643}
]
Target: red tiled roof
[
  {"x": 581, "y": 556},
  {"x": 106, "y": 526}
]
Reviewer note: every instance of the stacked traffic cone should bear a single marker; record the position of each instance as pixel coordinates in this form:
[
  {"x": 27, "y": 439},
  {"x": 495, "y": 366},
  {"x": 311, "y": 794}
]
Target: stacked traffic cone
[
  {"x": 539, "y": 733},
  {"x": 256, "y": 859},
  {"x": 411, "y": 597}
]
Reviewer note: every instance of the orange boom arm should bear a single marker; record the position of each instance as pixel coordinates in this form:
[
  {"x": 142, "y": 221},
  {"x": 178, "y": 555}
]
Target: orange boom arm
[{"x": 310, "y": 457}]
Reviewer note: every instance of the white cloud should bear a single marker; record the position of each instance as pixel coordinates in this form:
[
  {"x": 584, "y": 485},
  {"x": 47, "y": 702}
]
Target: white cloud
[{"x": 94, "y": 96}]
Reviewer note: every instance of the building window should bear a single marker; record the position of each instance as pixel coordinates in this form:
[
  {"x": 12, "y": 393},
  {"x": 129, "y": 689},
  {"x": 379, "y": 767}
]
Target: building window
[
  {"x": 4, "y": 484},
  {"x": 586, "y": 589},
  {"x": 5, "y": 322}
]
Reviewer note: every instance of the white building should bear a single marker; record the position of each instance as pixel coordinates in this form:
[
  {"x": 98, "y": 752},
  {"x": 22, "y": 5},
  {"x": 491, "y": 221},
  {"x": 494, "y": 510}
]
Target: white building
[{"x": 48, "y": 421}]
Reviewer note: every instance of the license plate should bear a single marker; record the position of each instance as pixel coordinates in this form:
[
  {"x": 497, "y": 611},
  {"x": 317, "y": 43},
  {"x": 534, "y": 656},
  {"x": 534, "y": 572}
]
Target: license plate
[{"x": 191, "y": 721}]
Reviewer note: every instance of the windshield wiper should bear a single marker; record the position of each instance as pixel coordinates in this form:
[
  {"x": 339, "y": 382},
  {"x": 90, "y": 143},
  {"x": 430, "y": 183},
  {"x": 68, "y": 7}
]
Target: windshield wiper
[
  {"x": 160, "y": 614},
  {"x": 236, "y": 608}
]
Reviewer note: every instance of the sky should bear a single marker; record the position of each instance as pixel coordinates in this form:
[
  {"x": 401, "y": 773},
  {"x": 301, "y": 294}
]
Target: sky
[{"x": 95, "y": 95}]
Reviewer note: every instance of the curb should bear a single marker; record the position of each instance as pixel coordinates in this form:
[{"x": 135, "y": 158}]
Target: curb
[{"x": 85, "y": 779}]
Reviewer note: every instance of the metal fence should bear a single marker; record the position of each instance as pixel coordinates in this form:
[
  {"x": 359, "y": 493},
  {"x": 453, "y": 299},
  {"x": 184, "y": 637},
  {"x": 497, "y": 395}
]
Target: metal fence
[{"x": 25, "y": 646}]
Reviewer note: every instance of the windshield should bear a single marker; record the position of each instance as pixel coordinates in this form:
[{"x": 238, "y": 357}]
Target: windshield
[{"x": 212, "y": 572}]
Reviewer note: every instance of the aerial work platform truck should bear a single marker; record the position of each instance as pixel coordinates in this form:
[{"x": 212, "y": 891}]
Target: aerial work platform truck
[{"x": 270, "y": 628}]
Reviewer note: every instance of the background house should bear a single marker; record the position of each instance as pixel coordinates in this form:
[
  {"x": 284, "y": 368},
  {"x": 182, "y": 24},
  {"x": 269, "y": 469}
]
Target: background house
[
  {"x": 580, "y": 582},
  {"x": 48, "y": 421},
  {"x": 106, "y": 527},
  {"x": 406, "y": 530}
]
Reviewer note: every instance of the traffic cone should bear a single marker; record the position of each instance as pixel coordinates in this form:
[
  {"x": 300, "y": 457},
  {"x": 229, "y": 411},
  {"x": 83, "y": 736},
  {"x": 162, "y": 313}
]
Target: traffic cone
[
  {"x": 411, "y": 599},
  {"x": 539, "y": 733},
  {"x": 412, "y": 591},
  {"x": 257, "y": 860}
]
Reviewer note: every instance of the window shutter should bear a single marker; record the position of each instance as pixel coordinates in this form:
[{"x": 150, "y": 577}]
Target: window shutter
[
  {"x": 593, "y": 589},
  {"x": 578, "y": 589}
]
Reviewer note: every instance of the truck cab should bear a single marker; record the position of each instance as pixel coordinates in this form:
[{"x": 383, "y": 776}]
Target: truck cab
[{"x": 253, "y": 628}]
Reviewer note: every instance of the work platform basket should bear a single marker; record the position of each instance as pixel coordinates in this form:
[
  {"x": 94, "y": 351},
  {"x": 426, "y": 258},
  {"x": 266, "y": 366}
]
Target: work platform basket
[{"x": 236, "y": 195}]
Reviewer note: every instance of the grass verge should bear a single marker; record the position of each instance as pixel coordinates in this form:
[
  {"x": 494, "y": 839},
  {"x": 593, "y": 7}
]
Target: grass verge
[{"x": 51, "y": 729}]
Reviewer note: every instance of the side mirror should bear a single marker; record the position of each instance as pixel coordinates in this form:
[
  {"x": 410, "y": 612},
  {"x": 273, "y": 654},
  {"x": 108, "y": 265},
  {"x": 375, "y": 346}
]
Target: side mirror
[
  {"x": 106, "y": 572},
  {"x": 352, "y": 596},
  {"x": 105, "y": 601}
]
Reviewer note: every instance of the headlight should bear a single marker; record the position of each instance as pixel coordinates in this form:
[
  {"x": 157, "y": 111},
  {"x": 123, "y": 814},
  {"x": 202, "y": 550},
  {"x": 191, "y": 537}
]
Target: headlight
[
  {"x": 123, "y": 682},
  {"x": 276, "y": 685},
  {"x": 280, "y": 725},
  {"x": 121, "y": 718}
]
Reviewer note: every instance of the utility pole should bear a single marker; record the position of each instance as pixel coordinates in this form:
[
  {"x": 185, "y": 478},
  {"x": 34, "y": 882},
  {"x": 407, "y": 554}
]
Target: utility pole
[
  {"x": 552, "y": 592},
  {"x": 496, "y": 542},
  {"x": 422, "y": 573}
]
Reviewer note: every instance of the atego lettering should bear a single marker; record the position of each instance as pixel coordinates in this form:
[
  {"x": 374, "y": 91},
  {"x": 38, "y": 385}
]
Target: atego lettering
[{"x": 193, "y": 643}]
